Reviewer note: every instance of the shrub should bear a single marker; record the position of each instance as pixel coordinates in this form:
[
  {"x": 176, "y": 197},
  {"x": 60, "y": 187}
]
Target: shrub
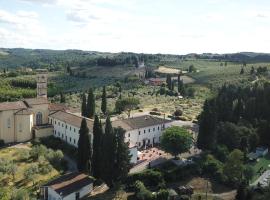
[
  {"x": 154, "y": 113},
  {"x": 37, "y": 151},
  {"x": 141, "y": 192},
  {"x": 24, "y": 154},
  {"x": 149, "y": 177},
  {"x": 178, "y": 112},
  {"x": 20, "y": 194},
  {"x": 2, "y": 143}
]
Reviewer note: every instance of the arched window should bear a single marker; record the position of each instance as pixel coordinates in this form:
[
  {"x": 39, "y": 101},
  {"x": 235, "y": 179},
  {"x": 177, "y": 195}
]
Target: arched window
[
  {"x": 39, "y": 118},
  {"x": 8, "y": 123}
]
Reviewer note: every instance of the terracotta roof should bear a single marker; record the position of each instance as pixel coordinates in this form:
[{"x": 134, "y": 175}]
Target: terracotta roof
[
  {"x": 24, "y": 112},
  {"x": 12, "y": 105},
  {"x": 69, "y": 183},
  {"x": 57, "y": 106},
  {"x": 72, "y": 119},
  {"x": 36, "y": 101},
  {"x": 139, "y": 122}
]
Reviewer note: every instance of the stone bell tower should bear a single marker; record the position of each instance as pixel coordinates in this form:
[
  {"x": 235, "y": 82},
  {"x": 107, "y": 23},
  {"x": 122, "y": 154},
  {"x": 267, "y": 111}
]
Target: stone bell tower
[{"x": 42, "y": 76}]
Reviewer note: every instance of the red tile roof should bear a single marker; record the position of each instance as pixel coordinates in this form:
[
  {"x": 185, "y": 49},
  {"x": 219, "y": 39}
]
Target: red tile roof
[
  {"x": 69, "y": 183},
  {"x": 12, "y": 105}
]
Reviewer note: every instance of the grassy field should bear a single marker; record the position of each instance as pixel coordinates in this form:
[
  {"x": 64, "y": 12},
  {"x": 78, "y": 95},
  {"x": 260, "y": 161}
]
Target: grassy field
[
  {"x": 263, "y": 163},
  {"x": 211, "y": 72},
  {"x": 19, "y": 181}
]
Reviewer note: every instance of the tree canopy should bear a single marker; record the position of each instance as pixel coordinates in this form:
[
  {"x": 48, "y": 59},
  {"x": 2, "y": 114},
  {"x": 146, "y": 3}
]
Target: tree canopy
[{"x": 176, "y": 140}]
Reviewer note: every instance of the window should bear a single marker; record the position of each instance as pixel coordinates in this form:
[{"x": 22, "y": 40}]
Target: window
[
  {"x": 70, "y": 128},
  {"x": 59, "y": 134},
  {"x": 158, "y": 128},
  {"x": 139, "y": 132},
  {"x": 62, "y": 135},
  {"x": 139, "y": 144},
  {"x": 62, "y": 125},
  {"x": 143, "y": 131},
  {"x": 149, "y": 130},
  {"x": 51, "y": 121},
  {"x": 74, "y": 141},
  {"x": 8, "y": 123},
  {"x": 129, "y": 135},
  {"x": 20, "y": 127},
  {"x": 77, "y": 195},
  {"x": 39, "y": 118},
  {"x": 154, "y": 129},
  {"x": 66, "y": 126},
  {"x": 74, "y": 130},
  {"x": 54, "y": 122},
  {"x": 58, "y": 123},
  {"x": 70, "y": 139}
]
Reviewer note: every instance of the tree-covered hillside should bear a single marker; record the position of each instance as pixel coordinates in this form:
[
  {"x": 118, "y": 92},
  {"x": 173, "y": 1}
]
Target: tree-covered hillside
[{"x": 57, "y": 59}]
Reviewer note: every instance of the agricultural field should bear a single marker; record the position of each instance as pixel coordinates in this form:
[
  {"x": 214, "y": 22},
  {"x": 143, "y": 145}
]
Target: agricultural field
[{"x": 16, "y": 161}]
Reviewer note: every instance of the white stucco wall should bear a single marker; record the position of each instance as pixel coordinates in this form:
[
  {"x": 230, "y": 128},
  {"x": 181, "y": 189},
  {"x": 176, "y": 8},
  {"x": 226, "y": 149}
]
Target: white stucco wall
[
  {"x": 83, "y": 192},
  {"x": 66, "y": 132},
  {"x": 134, "y": 154},
  {"x": 150, "y": 134}
]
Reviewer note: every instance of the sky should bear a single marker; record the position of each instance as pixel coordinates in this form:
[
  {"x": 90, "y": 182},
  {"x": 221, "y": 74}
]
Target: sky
[{"x": 142, "y": 26}]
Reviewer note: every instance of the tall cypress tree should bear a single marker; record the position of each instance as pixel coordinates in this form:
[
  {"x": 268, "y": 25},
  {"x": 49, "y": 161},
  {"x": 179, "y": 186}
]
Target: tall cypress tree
[
  {"x": 84, "y": 148},
  {"x": 208, "y": 119},
  {"x": 108, "y": 158},
  {"x": 97, "y": 148},
  {"x": 83, "y": 108},
  {"x": 169, "y": 81},
  {"x": 104, "y": 101},
  {"x": 90, "y": 107},
  {"x": 122, "y": 162}
]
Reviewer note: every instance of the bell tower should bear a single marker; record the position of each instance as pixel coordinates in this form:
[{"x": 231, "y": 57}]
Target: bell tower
[{"x": 42, "y": 76}]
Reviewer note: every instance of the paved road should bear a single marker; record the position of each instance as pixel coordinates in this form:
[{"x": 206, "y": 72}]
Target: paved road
[{"x": 264, "y": 179}]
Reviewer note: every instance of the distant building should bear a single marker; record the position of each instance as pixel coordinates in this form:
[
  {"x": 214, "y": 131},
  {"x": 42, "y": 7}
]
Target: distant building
[
  {"x": 156, "y": 81},
  {"x": 143, "y": 131},
  {"x": 66, "y": 126},
  {"x": 72, "y": 186},
  {"x": 261, "y": 151}
]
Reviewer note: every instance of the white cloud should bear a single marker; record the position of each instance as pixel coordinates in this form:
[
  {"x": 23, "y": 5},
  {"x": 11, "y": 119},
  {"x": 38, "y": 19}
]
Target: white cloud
[{"x": 22, "y": 28}]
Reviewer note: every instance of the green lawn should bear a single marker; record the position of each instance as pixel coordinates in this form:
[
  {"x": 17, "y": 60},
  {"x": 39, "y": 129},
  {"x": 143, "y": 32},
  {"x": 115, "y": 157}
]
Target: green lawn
[{"x": 263, "y": 162}]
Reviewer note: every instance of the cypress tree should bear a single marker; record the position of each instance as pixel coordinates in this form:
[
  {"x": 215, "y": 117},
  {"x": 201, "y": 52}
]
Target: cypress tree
[
  {"x": 208, "y": 119},
  {"x": 90, "y": 107},
  {"x": 83, "y": 108},
  {"x": 104, "y": 101},
  {"x": 62, "y": 98},
  {"x": 97, "y": 153},
  {"x": 122, "y": 164},
  {"x": 169, "y": 81},
  {"x": 108, "y": 158},
  {"x": 84, "y": 148}
]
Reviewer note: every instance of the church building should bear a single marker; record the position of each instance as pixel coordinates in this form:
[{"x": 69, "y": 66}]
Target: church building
[{"x": 19, "y": 119}]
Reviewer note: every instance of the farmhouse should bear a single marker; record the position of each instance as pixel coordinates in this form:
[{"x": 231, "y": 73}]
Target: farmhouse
[
  {"x": 143, "y": 131},
  {"x": 72, "y": 186},
  {"x": 66, "y": 126}
]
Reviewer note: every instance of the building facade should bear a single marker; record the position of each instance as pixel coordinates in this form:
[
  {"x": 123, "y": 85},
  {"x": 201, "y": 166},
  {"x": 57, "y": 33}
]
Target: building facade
[
  {"x": 72, "y": 186},
  {"x": 66, "y": 126},
  {"x": 143, "y": 131},
  {"x": 17, "y": 119}
]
